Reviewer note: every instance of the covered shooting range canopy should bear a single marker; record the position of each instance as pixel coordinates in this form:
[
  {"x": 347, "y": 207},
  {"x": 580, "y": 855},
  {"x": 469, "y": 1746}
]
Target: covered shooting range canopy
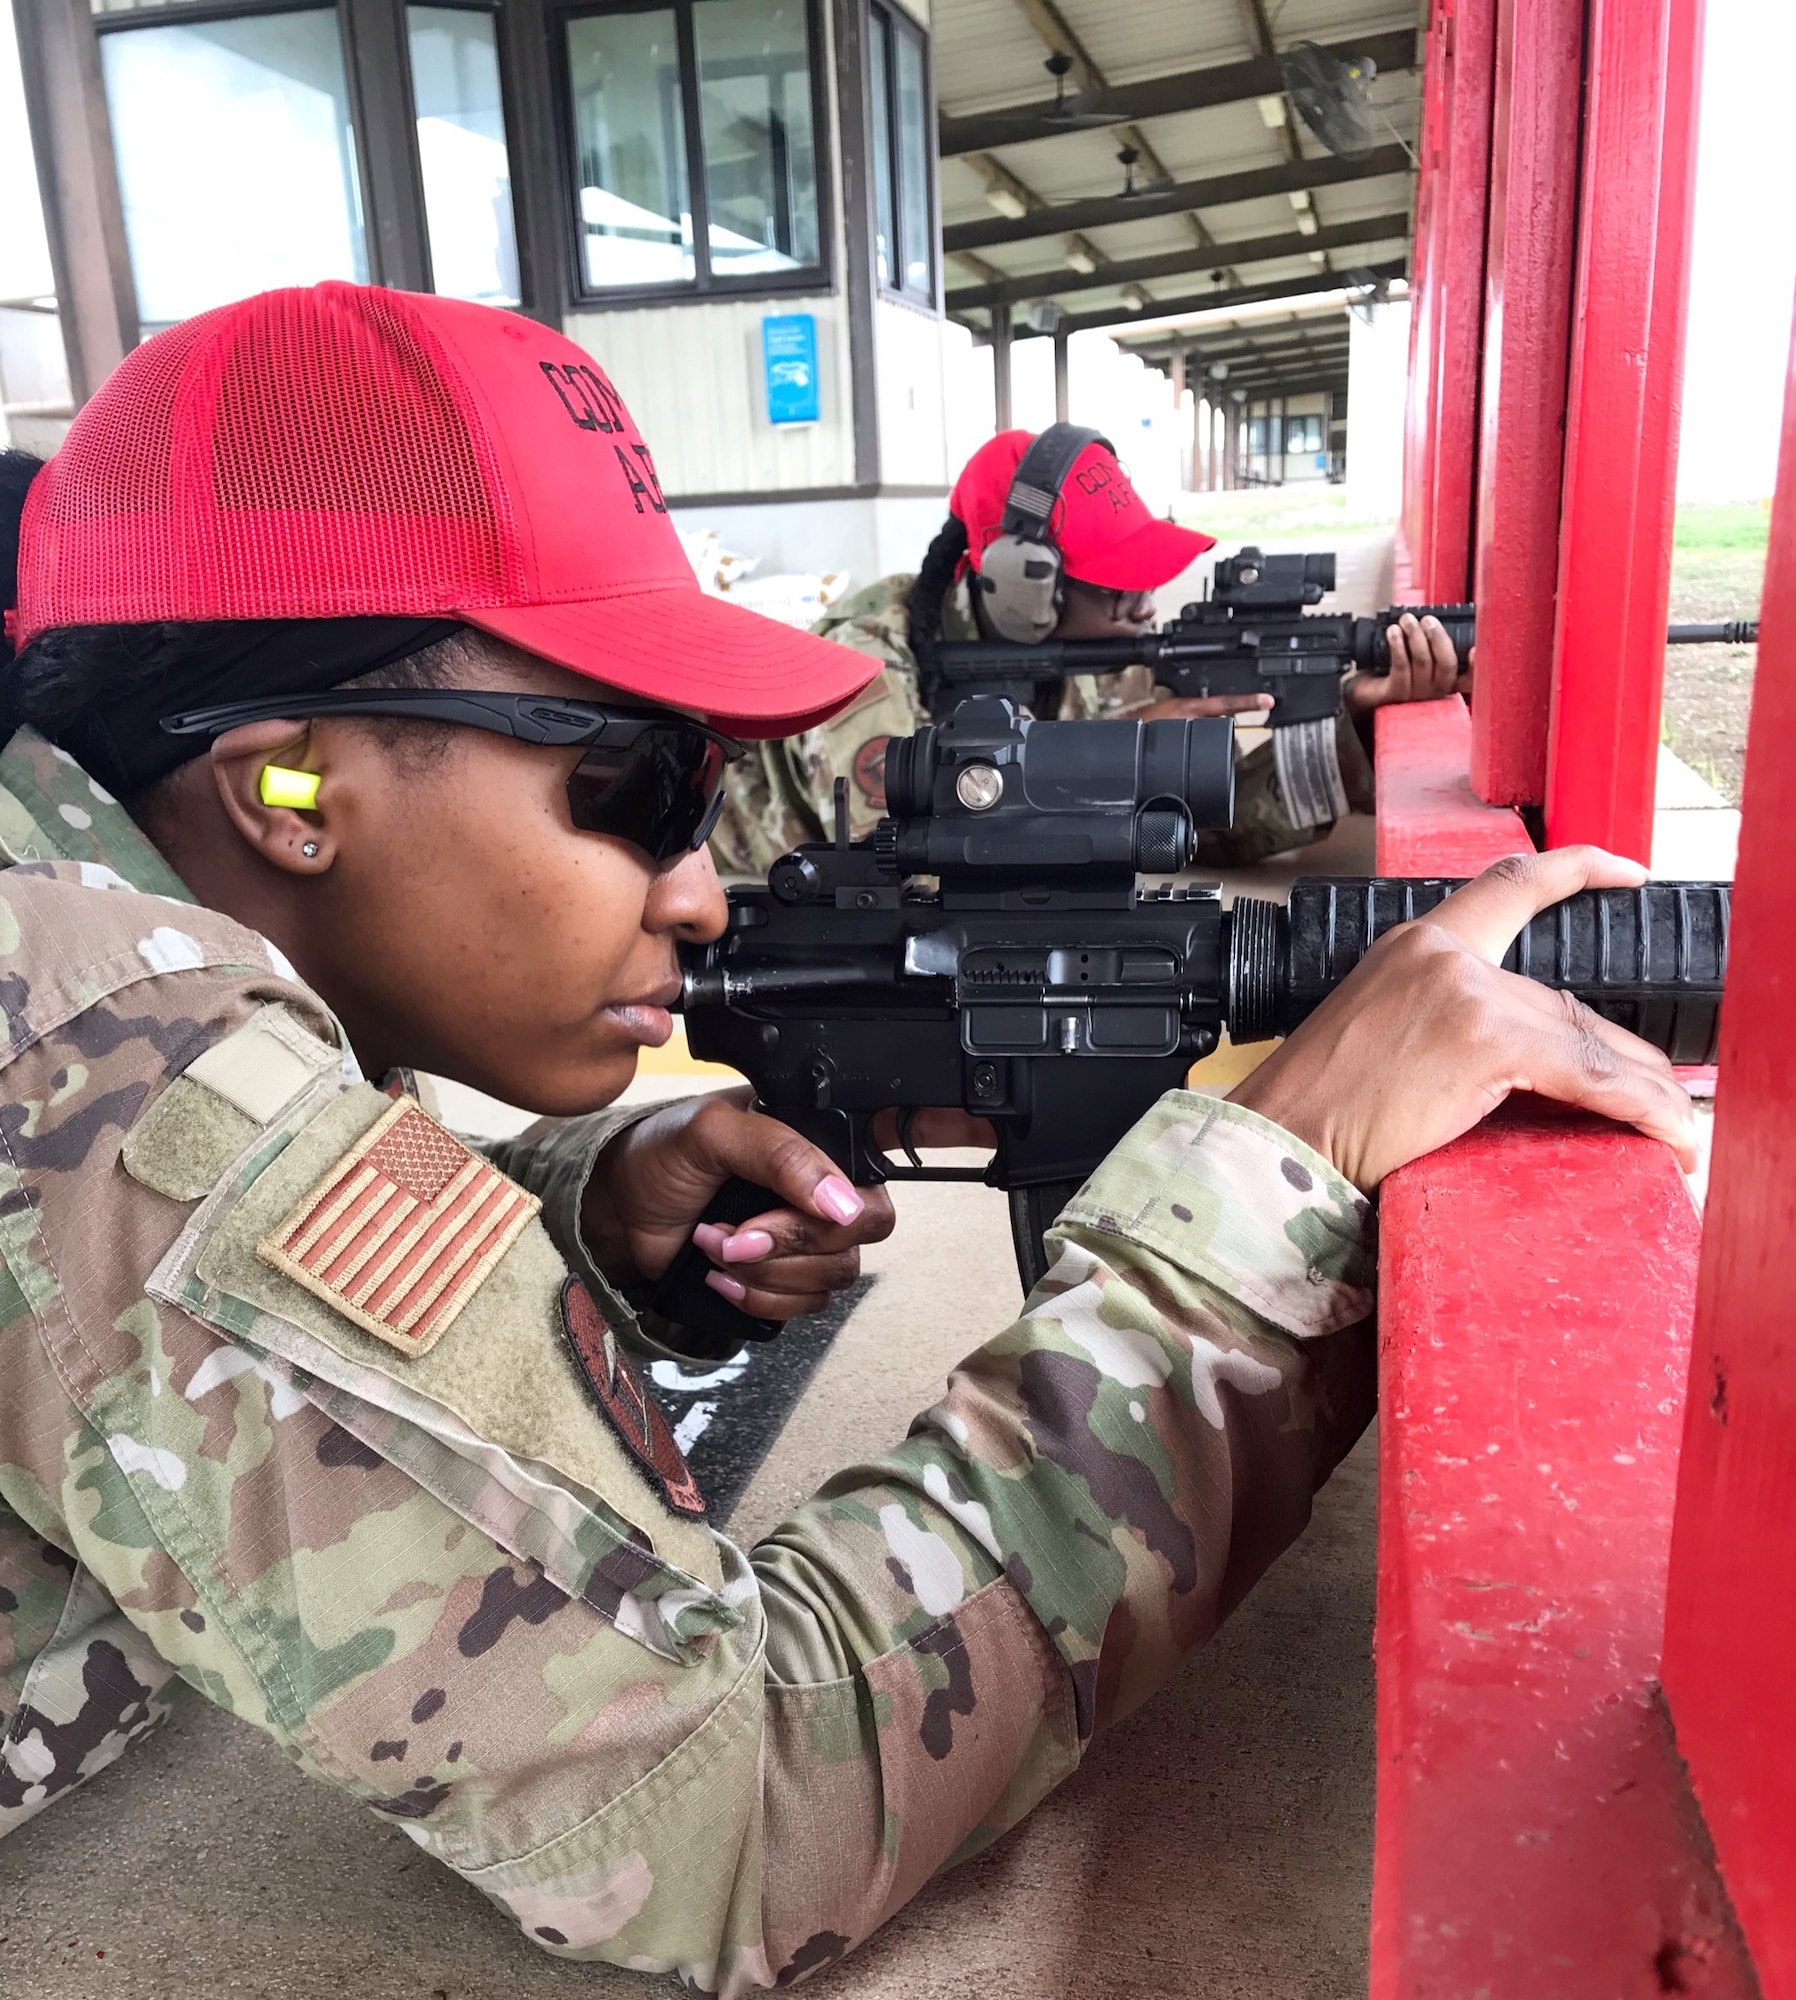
[
  {"x": 1229, "y": 196},
  {"x": 1256, "y": 354}
]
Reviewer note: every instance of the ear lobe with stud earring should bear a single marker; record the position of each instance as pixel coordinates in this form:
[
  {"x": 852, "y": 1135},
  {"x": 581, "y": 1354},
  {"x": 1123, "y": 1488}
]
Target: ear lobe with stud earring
[{"x": 310, "y": 850}]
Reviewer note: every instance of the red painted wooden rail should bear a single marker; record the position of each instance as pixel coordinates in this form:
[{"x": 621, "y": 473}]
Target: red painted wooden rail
[
  {"x": 1534, "y": 1835},
  {"x": 1429, "y": 820}
]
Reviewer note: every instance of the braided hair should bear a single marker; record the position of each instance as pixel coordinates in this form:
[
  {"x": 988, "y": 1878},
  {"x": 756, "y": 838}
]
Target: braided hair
[{"x": 935, "y": 578}]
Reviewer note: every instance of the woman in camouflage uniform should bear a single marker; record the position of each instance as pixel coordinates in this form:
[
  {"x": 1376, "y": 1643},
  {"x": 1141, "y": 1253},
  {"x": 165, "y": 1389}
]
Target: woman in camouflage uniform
[
  {"x": 308, "y": 1404},
  {"x": 782, "y": 793}
]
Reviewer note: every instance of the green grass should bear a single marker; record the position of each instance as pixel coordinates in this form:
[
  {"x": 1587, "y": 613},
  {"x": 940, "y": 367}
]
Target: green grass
[
  {"x": 1744, "y": 524},
  {"x": 1277, "y": 513}
]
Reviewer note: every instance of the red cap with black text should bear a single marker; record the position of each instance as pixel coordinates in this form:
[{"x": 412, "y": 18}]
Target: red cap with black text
[
  {"x": 1102, "y": 527},
  {"x": 348, "y": 451}
]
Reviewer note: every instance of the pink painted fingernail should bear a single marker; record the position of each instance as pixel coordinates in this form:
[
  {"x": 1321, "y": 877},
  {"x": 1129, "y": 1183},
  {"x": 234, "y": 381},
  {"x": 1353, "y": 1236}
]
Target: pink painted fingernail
[
  {"x": 710, "y": 1238},
  {"x": 838, "y": 1200},
  {"x": 746, "y": 1246},
  {"x": 732, "y": 1288}
]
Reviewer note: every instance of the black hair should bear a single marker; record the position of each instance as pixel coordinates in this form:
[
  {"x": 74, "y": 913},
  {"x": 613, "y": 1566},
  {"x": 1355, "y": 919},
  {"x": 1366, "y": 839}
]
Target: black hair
[
  {"x": 68, "y": 673},
  {"x": 935, "y": 578},
  {"x": 17, "y": 470}
]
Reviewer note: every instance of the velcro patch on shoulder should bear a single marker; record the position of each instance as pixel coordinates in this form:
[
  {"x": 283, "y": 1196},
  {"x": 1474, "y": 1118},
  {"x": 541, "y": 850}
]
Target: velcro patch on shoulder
[
  {"x": 264, "y": 1065},
  {"x": 618, "y": 1391},
  {"x": 225, "y": 1096},
  {"x": 402, "y": 1231}
]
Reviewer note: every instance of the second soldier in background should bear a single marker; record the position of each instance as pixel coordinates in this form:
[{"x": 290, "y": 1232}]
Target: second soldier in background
[{"x": 1114, "y": 554}]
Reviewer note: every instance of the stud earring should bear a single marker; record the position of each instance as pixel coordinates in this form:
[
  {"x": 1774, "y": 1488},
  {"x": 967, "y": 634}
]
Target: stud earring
[{"x": 310, "y": 850}]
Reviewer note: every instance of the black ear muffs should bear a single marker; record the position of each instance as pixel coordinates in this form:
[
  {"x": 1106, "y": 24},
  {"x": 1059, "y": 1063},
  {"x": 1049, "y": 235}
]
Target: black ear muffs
[{"x": 1020, "y": 579}]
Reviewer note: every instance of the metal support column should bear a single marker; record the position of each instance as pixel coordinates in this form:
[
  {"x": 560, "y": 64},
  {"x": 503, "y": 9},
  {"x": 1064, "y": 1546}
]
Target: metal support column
[
  {"x": 1001, "y": 366},
  {"x": 1062, "y": 391},
  {"x": 1188, "y": 473}
]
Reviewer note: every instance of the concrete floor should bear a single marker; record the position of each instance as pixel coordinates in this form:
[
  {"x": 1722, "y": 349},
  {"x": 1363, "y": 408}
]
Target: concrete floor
[{"x": 1218, "y": 1843}]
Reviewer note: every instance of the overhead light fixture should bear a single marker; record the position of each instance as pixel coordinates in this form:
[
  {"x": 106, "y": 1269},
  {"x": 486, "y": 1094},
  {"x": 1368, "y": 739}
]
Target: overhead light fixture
[
  {"x": 1306, "y": 224},
  {"x": 1135, "y": 298},
  {"x": 1041, "y": 315},
  {"x": 1006, "y": 201},
  {"x": 1125, "y": 158},
  {"x": 1237, "y": 395},
  {"x": 1272, "y": 110},
  {"x": 1079, "y": 257},
  {"x": 1219, "y": 371}
]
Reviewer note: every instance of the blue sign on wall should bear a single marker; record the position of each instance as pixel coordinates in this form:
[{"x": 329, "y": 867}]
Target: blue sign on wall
[{"x": 789, "y": 357}]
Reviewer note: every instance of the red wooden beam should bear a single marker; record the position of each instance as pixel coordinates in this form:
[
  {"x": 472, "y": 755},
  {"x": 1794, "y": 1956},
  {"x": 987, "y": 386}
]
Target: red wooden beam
[
  {"x": 1644, "y": 61},
  {"x": 1416, "y": 526},
  {"x": 1535, "y": 1841},
  {"x": 1528, "y": 289},
  {"x": 1429, "y": 822},
  {"x": 1730, "y": 1629},
  {"x": 1467, "y": 38},
  {"x": 1446, "y": 303}
]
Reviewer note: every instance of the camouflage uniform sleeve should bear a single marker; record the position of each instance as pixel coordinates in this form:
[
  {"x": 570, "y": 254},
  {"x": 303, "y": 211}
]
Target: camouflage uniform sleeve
[
  {"x": 554, "y": 1159},
  {"x": 467, "y": 1584},
  {"x": 783, "y": 792}
]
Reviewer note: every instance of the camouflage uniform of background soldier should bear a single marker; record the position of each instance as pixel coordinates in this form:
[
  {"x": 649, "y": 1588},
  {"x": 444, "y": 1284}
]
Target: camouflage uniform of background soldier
[
  {"x": 445, "y": 1584},
  {"x": 782, "y": 792}
]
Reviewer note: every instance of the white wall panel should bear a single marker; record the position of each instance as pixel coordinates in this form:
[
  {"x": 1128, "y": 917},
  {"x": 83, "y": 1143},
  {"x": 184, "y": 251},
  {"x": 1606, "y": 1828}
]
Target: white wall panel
[
  {"x": 691, "y": 375},
  {"x": 912, "y": 445}
]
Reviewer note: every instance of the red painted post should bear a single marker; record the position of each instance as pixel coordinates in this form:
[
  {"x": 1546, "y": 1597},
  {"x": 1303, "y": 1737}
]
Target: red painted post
[
  {"x": 1730, "y": 1628},
  {"x": 1528, "y": 291},
  {"x": 1614, "y": 570},
  {"x": 1446, "y": 302},
  {"x": 1468, "y": 49}
]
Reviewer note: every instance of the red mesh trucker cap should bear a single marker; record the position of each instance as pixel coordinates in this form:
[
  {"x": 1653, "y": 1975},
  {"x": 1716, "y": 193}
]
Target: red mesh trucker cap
[
  {"x": 348, "y": 451},
  {"x": 1100, "y": 524}
]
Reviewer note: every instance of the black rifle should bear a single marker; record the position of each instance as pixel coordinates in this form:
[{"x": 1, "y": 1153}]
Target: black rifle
[
  {"x": 1039, "y": 985},
  {"x": 993, "y": 949},
  {"x": 1254, "y": 634}
]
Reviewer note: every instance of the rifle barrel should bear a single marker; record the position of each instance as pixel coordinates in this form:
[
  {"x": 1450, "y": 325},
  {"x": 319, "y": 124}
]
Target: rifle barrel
[{"x": 1730, "y": 632}]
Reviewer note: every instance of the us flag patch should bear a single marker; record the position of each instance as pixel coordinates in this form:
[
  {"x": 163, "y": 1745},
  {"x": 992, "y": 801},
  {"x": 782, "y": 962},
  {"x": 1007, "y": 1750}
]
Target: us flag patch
[{"x": 403, "y": 1230}]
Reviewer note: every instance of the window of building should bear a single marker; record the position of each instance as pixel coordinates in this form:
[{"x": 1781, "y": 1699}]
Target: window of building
[
  {"x": 694, "y": 132},
  {"x": 261, "y": 144},
  {"x": 1305, "y": 433},
  {"x": 236, "y": 158},
  {"x": 462, "y": 155},
  {"x": 897, "y": 80}
]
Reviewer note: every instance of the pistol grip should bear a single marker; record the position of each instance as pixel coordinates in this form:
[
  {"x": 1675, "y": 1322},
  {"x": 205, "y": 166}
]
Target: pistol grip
[{"x": 717, "y": 1328}]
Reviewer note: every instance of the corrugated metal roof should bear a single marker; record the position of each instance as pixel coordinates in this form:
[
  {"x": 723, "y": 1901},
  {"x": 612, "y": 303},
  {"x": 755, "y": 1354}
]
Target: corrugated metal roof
[{"x": 989, "y": 57}]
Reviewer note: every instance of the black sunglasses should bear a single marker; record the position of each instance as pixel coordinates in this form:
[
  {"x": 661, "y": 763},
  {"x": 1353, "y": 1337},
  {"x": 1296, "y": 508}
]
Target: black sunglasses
[{"x": 653, "y": 779}]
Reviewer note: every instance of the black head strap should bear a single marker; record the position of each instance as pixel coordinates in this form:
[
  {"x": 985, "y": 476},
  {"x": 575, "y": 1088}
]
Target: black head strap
[{"x": 1040, "y": 474}]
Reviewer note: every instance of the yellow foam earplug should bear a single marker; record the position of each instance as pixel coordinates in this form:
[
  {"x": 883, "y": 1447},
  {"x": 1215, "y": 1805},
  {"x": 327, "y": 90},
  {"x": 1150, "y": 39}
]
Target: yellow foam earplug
[{"x": 281, "y": 787}]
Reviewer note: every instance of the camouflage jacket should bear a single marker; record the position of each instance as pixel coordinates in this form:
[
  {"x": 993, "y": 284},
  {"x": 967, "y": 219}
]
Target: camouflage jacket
[
  {"x": 783, "y": 791},
  {"x": 399, "y": 1501}
]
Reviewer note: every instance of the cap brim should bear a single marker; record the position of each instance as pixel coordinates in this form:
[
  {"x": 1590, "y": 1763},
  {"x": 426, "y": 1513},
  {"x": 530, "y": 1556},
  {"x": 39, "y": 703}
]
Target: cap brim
[
  {"x": 1150, "y": 557},
  {"x": 747, "y": 674}
]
